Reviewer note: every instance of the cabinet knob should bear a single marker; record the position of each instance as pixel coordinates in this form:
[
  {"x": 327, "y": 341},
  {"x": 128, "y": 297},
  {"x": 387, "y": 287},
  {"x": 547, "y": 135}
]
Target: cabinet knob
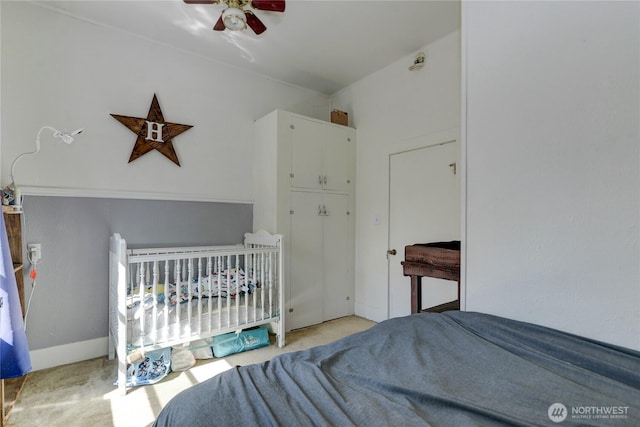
[{"x": 392, "y": 252}]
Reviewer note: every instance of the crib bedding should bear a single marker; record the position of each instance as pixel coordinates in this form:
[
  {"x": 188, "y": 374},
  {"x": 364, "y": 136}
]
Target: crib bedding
[
  {"x": 454, "y": 368},
  {"x": 223, "y": 283}
]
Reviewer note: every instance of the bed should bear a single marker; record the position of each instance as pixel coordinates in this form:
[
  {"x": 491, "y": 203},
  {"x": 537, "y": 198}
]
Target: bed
[
  {"x": 164, "y": 297},
  {"x": 443, "y": 369}
]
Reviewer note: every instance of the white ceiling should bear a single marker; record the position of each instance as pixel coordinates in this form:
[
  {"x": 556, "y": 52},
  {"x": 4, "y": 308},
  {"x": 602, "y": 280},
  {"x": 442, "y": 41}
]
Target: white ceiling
[{"x": 323, "y": 45}]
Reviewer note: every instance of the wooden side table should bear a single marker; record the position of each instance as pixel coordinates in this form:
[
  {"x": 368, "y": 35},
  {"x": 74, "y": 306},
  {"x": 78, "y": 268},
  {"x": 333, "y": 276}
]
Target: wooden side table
[{"x": 440, "y": 260}]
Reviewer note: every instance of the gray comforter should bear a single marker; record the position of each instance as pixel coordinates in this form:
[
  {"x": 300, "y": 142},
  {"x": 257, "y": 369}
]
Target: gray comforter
[{"x": 449, "y": 369}]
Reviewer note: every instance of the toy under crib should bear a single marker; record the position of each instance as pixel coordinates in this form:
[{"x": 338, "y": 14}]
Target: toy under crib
[{"x": 160, "y": 298}]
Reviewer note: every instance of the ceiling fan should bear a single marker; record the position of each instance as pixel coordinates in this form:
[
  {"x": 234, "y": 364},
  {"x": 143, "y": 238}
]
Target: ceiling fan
[{"x": 235, "y": 17}]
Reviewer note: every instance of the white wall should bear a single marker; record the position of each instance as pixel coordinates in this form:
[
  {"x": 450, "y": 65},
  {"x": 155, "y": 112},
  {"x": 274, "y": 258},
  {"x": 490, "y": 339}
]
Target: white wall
[
  {"x": 390, "y": 109},
  {"x": 64, "y": 72},
  {"x": 553, "y": 165}
]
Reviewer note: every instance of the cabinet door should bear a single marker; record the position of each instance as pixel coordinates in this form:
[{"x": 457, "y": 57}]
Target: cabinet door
[
  {"x": 306, "y": 287},
  {"x": 306, "y": 153},
  {"x": 337, "y": 256},
  {"x": 335, "y": 159}
]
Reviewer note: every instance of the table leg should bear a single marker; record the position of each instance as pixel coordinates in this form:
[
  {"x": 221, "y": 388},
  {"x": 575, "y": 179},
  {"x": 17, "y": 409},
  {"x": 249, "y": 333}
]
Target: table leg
[{"x": 416, "y": 294}]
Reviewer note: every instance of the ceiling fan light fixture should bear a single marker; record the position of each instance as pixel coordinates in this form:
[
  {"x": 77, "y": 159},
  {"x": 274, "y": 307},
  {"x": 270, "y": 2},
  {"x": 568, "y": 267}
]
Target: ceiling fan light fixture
[{"x": 234, "y": 19}]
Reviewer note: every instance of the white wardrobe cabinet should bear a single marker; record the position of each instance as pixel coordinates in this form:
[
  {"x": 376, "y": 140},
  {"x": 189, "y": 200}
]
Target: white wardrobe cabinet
[{"x": 304, "y": 182}]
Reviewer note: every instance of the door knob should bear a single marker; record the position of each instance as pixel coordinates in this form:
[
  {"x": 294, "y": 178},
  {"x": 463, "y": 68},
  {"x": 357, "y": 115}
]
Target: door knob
[{"x": 391, "y": 252}]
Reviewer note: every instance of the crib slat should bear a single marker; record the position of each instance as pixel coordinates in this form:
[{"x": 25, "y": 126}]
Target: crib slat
[
  {"x": 141, "y": 285},
  {"x": 269, "y": 285},
  {"x": 237, "y": 292},
  {"x": 246, "y": 289},
  {"x": 209, "y": 292},
  {"x": 254, "y": 294},
  {"x": 167, "y": 301},
  {"x": 267, "y": 279},
  {"x": 189, "y": 295},
  {"x": 199, "y": 295},
  {"x": 228, "y": 299},
  {"x": 177, "y": 268},
  {"x": 245, "y": 285},
  {"x": 154, "y": 295},
  {"x": 219, "y": 287}
]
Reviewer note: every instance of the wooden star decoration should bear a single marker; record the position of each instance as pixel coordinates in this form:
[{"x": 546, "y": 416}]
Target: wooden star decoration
[{"x": 153, "y": 132}]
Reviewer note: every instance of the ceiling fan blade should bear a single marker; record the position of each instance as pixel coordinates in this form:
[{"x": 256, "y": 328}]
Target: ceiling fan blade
[
  {"x": 254, "y": 23},
  {"x": 219, "y": 25},
  {"x": 201, "y": 1},
  {"x": 271, "y": 5}
]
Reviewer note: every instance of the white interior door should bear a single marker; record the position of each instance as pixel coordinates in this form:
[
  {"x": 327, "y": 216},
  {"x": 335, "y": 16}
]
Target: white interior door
[{"x": 424, "y": 206}]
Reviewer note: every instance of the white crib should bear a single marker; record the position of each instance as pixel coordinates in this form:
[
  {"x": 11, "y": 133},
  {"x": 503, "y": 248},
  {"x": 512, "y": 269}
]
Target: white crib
[{"x": 165, "y": 297}]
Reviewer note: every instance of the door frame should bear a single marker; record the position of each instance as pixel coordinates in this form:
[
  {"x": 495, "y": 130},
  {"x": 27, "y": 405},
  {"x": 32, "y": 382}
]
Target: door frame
[{"x": 417, "y": 143}]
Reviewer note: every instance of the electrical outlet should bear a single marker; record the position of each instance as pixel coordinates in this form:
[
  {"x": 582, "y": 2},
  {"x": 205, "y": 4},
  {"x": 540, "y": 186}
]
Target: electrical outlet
[{"x": 35, "y": 252}]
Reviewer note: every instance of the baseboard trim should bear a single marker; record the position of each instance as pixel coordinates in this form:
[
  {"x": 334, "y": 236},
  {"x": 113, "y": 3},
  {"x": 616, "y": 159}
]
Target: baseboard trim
[{"x": 68, "y": 353}]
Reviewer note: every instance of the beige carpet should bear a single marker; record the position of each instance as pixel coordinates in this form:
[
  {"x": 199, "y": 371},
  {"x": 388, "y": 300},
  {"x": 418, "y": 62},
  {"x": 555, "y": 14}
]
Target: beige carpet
[{"x": 83, "y": 394}]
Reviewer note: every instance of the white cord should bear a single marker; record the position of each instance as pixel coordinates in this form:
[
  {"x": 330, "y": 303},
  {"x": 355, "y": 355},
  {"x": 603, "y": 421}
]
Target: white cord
[
  {"x": 26, "y": 313},
  {"x": 33, "y": 281}
]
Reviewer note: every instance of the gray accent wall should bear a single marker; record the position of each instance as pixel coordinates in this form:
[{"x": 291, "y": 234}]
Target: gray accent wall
[{"x": 70, "y": 302}]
